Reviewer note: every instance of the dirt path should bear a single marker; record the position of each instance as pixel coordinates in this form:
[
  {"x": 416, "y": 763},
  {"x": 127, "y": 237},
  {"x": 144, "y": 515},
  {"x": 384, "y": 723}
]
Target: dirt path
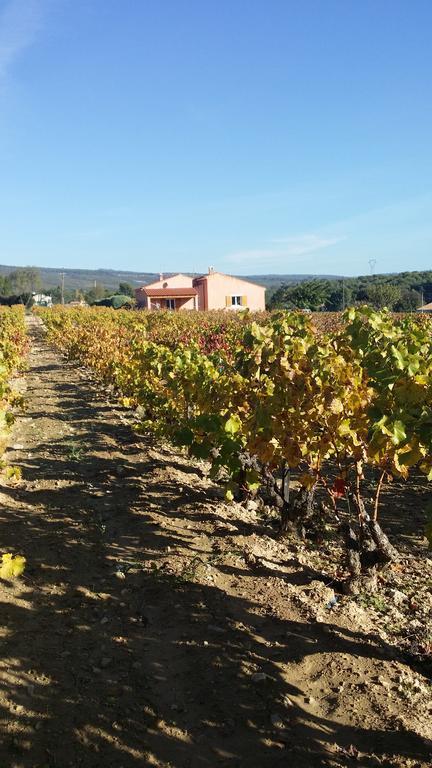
[{"x": 147, "y": 631}]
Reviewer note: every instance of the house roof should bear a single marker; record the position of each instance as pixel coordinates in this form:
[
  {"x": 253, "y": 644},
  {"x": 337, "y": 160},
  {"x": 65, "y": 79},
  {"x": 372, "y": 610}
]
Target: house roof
[
  {"x": 170, "y": 293},
  {"x": 425, "y": 307}
]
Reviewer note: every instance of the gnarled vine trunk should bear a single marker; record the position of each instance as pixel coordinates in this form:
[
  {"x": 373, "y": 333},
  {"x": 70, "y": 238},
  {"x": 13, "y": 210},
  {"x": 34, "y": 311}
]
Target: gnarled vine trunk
[{"x": 367, "y": 550}]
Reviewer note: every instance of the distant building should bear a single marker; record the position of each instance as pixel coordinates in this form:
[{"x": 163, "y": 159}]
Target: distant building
[
  {"x": 42, "y": 300},
  {"x": 425, "y": 308},
  {"x": 211, "y": 291}
]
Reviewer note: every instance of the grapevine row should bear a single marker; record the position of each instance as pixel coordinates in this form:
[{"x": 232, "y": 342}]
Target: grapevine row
[
  {"x": 13, "y": 347},
  {"x": 263, "y": 398}
]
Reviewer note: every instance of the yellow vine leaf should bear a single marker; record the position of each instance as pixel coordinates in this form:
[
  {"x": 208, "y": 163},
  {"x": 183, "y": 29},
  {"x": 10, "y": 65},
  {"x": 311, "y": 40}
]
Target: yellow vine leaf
[
  {"x": 307, "y": 481},
  {"x": 336, "y": 405},
  {"x": 13, "y": 473},
  {"x": 12, "y": 566}
]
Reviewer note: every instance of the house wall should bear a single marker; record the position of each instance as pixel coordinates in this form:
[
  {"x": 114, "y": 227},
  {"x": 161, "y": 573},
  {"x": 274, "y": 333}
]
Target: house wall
[
  {"x": 220, "y": 286},
  {"x": 184, "y": 303},
  {"x": 176, "y": 281},
  {"x": 201, "y": 287}
]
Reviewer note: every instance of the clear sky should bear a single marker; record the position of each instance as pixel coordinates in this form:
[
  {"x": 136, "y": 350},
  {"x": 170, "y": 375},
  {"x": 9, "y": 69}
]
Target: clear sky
[{"x": 254, "y": 135}]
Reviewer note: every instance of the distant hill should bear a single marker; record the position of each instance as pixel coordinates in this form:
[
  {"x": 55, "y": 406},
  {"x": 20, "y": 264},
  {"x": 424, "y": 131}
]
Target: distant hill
[
  {"x": 110, "y": 278},
  {"x": 86, "y": 278}
]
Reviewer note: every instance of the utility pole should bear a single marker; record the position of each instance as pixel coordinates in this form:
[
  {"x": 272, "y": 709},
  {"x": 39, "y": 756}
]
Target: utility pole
[
  {"x": 62, "y": 287},
  {"x": 343, "y": 295},
  {"x": 372, "y": 263}
]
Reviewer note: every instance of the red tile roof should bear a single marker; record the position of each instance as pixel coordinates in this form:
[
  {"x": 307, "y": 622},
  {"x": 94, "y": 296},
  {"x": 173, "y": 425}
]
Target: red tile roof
[{"x": 170, "y": 293}]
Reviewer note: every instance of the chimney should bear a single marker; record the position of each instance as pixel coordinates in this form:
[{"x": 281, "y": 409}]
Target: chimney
[
  {"x": 161, "y": 276},
  {"x": 210, "y": 270}
]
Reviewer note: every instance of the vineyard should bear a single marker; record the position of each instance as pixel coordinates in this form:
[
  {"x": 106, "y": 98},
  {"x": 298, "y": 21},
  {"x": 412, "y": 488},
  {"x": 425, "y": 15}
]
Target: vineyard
[
  {"x": 224, "y": 520},
  {"x": 13, "y": 346},
  {"x": 307, "y": 419}
]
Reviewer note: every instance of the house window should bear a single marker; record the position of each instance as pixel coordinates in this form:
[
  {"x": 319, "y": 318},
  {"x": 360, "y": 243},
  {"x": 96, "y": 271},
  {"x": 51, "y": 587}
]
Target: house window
[
  {"x": 170, "y": 303},
  {"x": 235, "y": 302}
]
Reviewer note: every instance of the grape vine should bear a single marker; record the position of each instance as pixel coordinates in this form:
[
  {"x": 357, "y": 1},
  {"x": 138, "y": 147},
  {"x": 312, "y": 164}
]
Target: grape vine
[
  {"x": 268, "y": 398},
  {"x": 13, "y": 347}
]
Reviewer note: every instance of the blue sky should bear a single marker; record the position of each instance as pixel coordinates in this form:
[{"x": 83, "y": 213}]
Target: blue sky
[{"x": 289, "y": 136}]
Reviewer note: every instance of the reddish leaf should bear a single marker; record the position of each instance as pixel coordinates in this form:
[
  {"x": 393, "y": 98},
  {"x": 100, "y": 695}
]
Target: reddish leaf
[{"x": 339, "y": 488}]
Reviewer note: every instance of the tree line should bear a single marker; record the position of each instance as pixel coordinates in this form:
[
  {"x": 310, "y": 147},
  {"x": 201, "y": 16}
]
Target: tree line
[
  {"x": 401, "y": 292},
  {"x": 21, "y": 281},
  {"x": 18, "y": 287}
]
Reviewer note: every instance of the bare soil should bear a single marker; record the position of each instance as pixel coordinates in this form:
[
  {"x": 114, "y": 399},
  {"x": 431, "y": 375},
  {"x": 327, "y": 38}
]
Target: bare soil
[{"x": 157, "y": 625}]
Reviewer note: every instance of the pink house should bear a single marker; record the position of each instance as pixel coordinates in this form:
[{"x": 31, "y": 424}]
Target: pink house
[
  {"x": 176, "y": 292},
  {"x": 211, "y": 291}
]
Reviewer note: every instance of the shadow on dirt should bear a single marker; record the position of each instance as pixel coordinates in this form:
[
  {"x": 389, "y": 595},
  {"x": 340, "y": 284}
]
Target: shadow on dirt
[{"x": 108, "y": 659}]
